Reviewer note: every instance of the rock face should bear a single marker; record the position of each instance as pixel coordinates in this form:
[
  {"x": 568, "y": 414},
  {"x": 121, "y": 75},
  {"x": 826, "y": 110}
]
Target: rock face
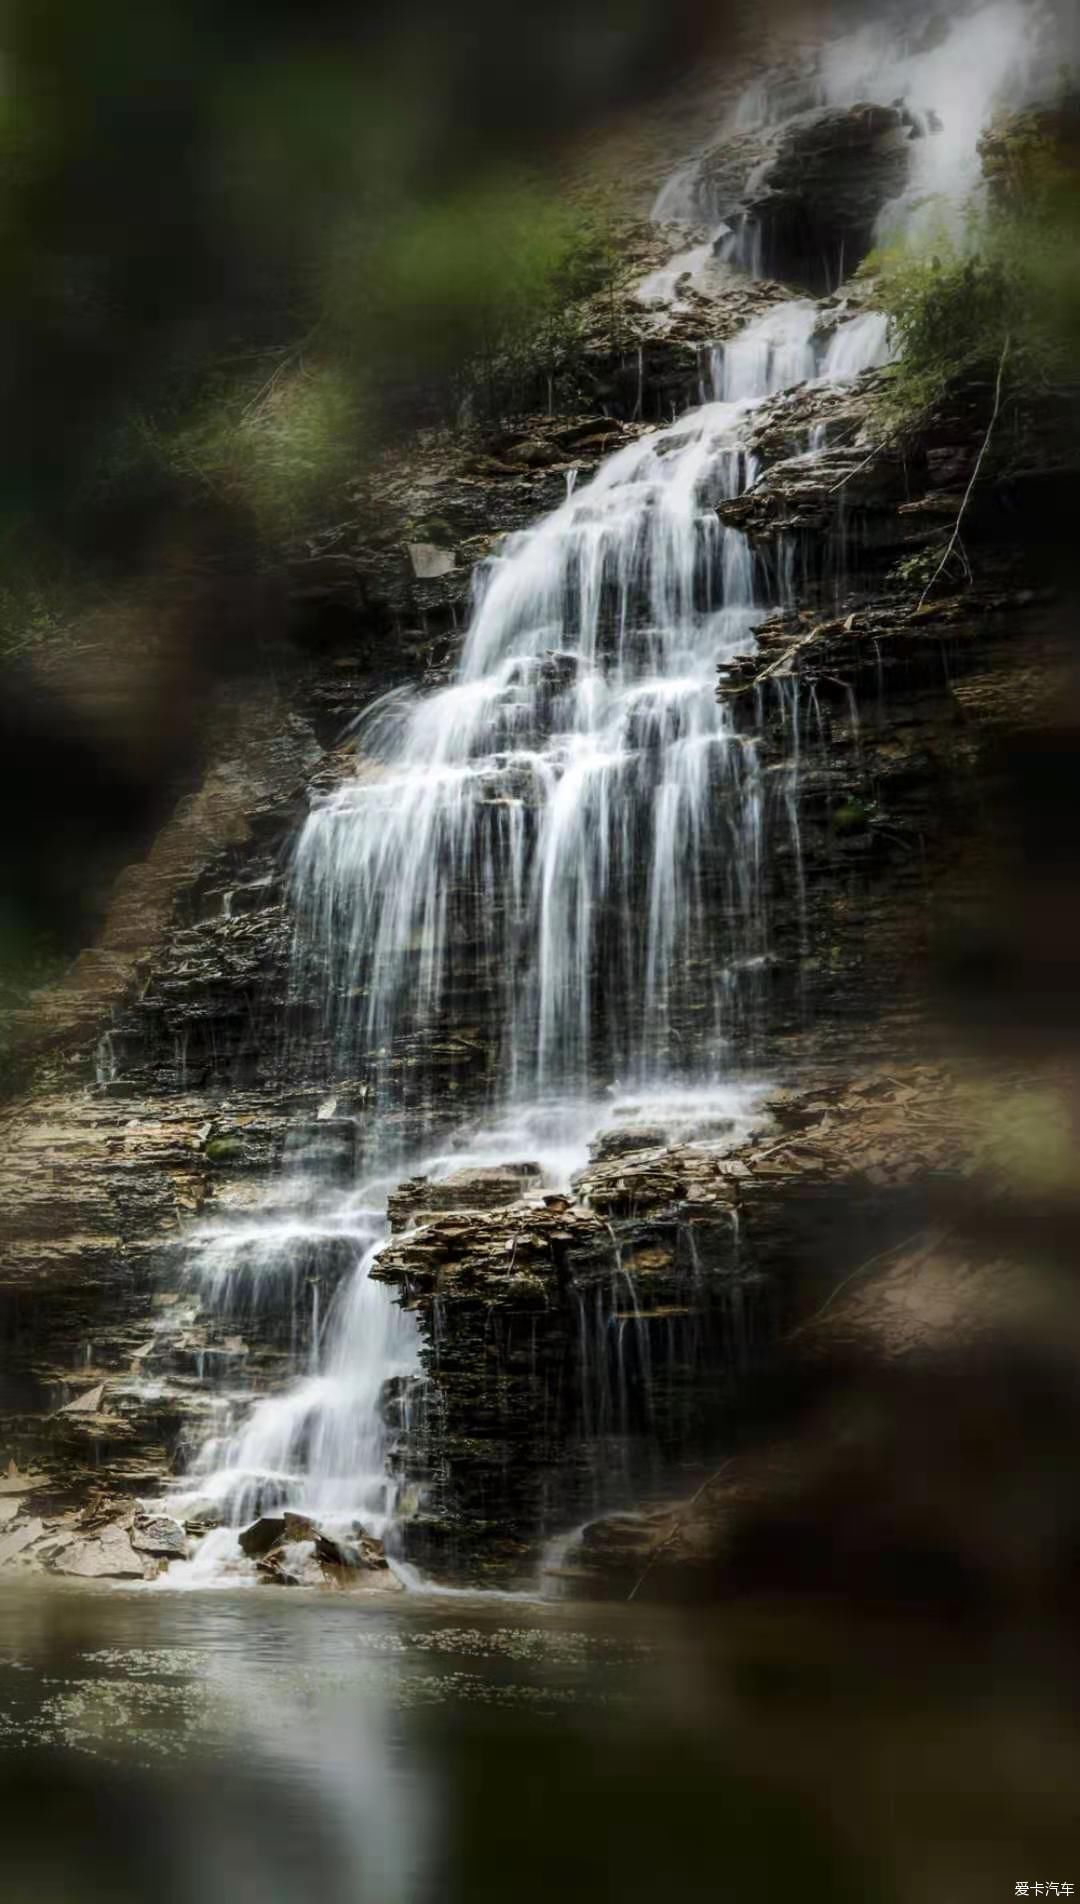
[
  {"x": 623, "y": 1328},
  {"x": 811, "y": 220}
]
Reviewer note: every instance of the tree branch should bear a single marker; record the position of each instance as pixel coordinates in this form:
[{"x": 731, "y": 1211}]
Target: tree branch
[{"x": 955, "y": 537}]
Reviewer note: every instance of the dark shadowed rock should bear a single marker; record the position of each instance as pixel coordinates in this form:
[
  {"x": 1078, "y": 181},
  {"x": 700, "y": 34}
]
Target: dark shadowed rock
[
  {"x": 262, "y": 1535},
  {"x": 361, "y": 1554},
  {"x": 832, "y": 171}
]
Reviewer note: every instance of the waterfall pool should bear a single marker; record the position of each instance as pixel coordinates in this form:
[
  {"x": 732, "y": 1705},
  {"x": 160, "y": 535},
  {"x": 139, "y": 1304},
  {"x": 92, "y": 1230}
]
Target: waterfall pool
[{"x": 279, "y": 1747}]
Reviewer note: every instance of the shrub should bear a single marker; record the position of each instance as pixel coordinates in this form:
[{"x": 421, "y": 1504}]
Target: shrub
[{"x": 1005, "y": 288}]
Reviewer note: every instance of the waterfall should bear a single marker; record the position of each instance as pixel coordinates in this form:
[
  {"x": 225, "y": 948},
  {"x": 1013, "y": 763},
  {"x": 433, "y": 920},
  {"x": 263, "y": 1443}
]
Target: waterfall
[
  {"x": 948, "y": 75},
  {"x": 534, "y": 901},
  {"x": 571, "y": 835}
]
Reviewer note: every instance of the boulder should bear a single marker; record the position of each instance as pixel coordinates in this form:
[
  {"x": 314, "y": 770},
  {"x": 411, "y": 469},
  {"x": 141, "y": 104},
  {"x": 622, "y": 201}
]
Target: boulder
[
  {"x": 258, "y": 1539},
  {"x": 362, "y": 1553},
  {"x": 160, "y": 1535},
  {"x": 105, "y": 1556}
]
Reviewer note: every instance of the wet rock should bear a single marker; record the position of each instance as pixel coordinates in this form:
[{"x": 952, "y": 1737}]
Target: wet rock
[
  {"x": 274, "y": 1572},
  {"x": 202, "y": 1519},
  {"x": 362, "y": 1554},
  {"x": 13, "y": 1482},
  {"x": 622, "y": 1143},
  {"x": 614, "y": 1555},
  {"x": 483, "y": 1189},
  {"x": 297, "y": 1527},
  {"x": 262, "y": 1535},
  {"x": 832, "y": 171}
]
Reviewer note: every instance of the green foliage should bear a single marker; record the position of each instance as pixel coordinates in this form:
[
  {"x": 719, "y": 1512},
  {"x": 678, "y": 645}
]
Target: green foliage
[
  {"x": 850, "y": 817},
  {"x": 916, "y": 571},
  {"x": 279, "y": 450},
  {"x": 41, "y": 593},
  {"x": 1007, "y": 287},
  {"x": 224, "y": 1150},
  {"x": 464, "y": 297},
  {"x": 484, "y": 283}
]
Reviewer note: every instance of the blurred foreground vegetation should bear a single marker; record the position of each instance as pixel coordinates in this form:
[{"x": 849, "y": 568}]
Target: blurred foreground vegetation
[{"x": 241, "y": 247}]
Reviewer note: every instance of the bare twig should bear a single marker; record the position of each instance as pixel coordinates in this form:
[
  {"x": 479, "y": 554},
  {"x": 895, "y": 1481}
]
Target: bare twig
[
  {"x": 675, "y": 1526},
  {"x": 876, "y": 451},
  {"x": 955, "y": 537},
  {"x": 930, "y": 1241}
]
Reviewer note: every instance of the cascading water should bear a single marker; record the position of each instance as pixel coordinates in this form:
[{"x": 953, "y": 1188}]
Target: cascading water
[
  {"x": 560, "y": 820},
  {"x": 552, "y": 806},
  {"x": 562, "y": 852},
  {"x": 947, "y": 74}
]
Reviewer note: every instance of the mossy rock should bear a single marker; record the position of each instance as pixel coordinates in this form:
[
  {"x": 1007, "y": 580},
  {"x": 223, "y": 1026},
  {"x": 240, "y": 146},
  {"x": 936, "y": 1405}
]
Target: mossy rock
[
  {"x": 851, "y": 817},
  {"x": 436, "y": 529},
  {"x": 225, "y": 1150}
]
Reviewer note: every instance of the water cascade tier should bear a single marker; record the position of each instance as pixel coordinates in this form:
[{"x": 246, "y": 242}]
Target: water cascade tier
[{"x": 565, "y": 848}]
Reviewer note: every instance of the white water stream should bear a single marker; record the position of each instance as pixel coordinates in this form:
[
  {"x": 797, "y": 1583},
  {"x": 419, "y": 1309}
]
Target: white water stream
[{"x": 950, "y": 73}]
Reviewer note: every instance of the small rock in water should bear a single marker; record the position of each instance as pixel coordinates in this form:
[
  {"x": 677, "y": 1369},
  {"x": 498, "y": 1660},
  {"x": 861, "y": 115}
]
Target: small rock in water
[
  {"x": 273, "y": 1572},
  {"x": 293, "y": 1564}
]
